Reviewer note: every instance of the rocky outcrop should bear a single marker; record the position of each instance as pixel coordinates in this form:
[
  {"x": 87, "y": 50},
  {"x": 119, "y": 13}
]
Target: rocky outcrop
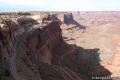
[
  {"x": 66, "y": 18},
  {"x": 28, "y": 48},
  {"x": 8, "y": 31}
]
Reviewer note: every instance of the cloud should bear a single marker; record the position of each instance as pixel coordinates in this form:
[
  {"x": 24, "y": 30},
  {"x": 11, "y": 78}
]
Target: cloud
[
  {"x": 62, "y": 5},
  {"x": 21, "y": 2}
]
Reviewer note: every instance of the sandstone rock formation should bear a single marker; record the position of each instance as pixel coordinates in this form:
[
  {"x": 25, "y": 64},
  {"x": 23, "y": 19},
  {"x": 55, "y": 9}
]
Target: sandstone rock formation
[
  {"x": 27, "y": 48},
  {"x": 66, "y": 18},
  {"x": 38, "y": 47}
]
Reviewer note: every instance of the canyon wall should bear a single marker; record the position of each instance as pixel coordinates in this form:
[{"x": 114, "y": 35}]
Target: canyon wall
[
  {"x": 32, "y": 48},
  {"x": 95, "y": 18},
  {"x": 28, "y": 50}
]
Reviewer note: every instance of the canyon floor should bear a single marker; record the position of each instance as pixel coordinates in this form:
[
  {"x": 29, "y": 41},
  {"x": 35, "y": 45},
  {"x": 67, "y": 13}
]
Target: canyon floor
[{"x": 105, "y": 38}]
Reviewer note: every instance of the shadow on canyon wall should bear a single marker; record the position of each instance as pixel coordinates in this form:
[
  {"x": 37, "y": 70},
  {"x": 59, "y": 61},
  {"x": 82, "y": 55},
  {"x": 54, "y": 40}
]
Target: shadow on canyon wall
[
  {"x": 85, "y": 62},
  {"x": 88, "y": 63},
  {"x": 79, "y": 25}
]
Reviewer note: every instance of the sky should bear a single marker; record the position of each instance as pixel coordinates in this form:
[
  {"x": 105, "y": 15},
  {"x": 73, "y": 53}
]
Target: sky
[{"x": 59, "y": 5}]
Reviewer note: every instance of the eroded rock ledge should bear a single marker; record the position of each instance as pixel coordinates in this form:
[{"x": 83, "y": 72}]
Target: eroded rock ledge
[{"x": 27, "y": 48}]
